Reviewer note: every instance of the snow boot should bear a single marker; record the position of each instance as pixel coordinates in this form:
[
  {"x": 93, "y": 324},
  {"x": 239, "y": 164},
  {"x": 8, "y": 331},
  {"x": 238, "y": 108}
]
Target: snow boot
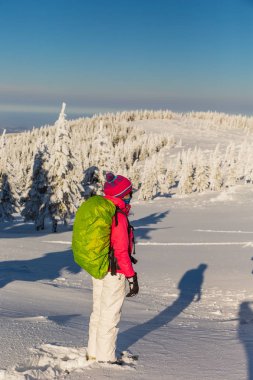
[
  {"x": 116, "y": 362},
  {"x": 90, "y": 357}
]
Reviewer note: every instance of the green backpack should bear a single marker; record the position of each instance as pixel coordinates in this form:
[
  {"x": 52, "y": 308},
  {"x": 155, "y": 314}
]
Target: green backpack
[{"x": 91, "y": 235}]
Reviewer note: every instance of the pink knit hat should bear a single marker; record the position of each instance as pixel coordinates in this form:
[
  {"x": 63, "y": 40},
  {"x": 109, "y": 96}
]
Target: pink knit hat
[{"x": 117, "y": 185}]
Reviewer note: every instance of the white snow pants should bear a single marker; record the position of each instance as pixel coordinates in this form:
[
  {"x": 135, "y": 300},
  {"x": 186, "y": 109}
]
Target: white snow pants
[{"x": 108, "y": 297}]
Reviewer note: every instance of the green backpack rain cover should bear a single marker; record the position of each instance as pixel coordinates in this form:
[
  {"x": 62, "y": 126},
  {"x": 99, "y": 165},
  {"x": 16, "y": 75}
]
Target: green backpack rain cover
[{"x": 91, "y": 235}]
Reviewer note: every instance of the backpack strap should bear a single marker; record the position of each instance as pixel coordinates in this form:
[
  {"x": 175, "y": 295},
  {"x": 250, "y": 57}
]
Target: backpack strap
[{"x": 116, "y": 215}]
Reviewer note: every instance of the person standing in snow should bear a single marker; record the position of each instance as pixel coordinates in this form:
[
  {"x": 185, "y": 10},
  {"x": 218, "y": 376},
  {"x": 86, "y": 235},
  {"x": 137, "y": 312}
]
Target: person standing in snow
[{"x": 109, "y": 293}]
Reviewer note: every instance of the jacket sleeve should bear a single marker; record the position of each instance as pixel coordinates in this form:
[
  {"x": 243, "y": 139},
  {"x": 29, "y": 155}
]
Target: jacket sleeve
[{"x": 120, "y": 244}]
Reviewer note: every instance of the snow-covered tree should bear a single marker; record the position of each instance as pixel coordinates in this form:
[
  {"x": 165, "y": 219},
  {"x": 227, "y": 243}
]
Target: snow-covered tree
[
  {"x": 231, "y": 175},
  {"x": 134, "y": 174},
  {"x": 149, "y": 180},
  {"x": 103, "y": 154},
  {"x": 185, "y": 185},
  {"x": 35, "y": 200},
  {"x": 215, "y": 176},
  {"x": 3, "y": 140},
  {"x": 201, "y": 174},
  {"x": 90, "y": 182},
  {"x": 247, "y": 168},
  {"x": 9, "y": 197},
  {"x": 170, "y": 176},
  {"x": 8, "y": 203},
  {"x": 111, "y": 142},
  {"x": 63, "y": 191},
  {"x": 163, "y": 186},
  {"x": 230, "y": 166}
]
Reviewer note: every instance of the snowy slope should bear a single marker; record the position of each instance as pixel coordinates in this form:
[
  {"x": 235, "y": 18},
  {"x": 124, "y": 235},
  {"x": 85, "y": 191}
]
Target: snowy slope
[
  {"x": 202, "y": 244},
  {"x": 202, "y": 133},
  {"x": 45, "y": 299}
]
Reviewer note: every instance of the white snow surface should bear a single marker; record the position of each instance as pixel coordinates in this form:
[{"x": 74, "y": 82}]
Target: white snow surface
[{"x": 204, "y": 330}]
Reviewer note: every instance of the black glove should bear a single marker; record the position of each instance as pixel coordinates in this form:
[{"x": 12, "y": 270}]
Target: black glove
[{"x": 133, "y": 286}]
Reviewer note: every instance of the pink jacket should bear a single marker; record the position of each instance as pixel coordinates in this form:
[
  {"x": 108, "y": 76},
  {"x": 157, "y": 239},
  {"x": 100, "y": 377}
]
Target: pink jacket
[{"x": 121, "y": 240}]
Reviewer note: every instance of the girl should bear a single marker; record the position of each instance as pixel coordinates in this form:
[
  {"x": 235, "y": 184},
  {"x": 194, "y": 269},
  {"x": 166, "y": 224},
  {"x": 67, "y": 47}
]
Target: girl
[{"x": 109, "y": 292}]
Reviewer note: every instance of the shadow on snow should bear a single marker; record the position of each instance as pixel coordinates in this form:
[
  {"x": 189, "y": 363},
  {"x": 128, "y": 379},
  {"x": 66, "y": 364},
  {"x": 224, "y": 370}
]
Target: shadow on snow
[
  {"x": 143, "y": 232},
  {"x": 17, "y": 230},
  {"x": 47, "y": 267},
  {"x": 245, "y": 333},
  {"x": 190, "y": 287},
  {"x": 20, "y": 229}
]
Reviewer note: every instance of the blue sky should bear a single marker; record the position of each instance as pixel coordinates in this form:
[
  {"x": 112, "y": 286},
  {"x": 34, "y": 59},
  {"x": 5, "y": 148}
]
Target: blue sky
[{"x": 100, "y": 55}]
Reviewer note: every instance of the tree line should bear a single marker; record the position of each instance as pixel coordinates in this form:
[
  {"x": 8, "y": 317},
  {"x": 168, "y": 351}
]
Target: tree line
[{"x": 49, "y": 171}]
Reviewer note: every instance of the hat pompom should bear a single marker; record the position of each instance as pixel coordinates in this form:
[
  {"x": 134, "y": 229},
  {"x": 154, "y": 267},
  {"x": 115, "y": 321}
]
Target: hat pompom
[
  {"x": 109, "y": 177},
  {"x": 117, "y": 185}
]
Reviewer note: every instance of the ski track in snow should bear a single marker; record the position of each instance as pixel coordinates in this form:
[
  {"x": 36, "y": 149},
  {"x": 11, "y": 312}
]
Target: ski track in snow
[
  {"x": 225, "y": 232},
  {"x": 243, "y": 243},
  {"x": 39, "y": 318}
]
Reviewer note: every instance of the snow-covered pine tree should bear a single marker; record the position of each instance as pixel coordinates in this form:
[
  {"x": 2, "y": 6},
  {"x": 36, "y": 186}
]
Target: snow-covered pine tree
[
  {"x": 163, "y": 188},
  {"x": 3, "y": 140},
  {"x": 201, "y": 174},
  {"x": 35, "y": 200},
  {"x": 102, "y": 152},
  {"x": 230, "y": 166},
  {"x": 120, "y": 157},
  {"x": 185, "y": 185},
  {"x": 149, "y": 180},
  {"x": 9, "y": 198},
  {"x": 90, "y": 182},
  {"x": 215, "y": 176},
  {"x": 170, "y": 176},
  {"x": 246, "y": 158},
  {"x": 8, "y": 203},
  {"x": 177, "y": 166},
  {"x": 63, "y": 191},
  {"x": 134, "y": 174}
]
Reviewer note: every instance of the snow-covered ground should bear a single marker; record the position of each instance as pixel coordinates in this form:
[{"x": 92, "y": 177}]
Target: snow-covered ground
[
  {"x": 203, "y": 133},
  {"x": 192, "y": 319}
]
